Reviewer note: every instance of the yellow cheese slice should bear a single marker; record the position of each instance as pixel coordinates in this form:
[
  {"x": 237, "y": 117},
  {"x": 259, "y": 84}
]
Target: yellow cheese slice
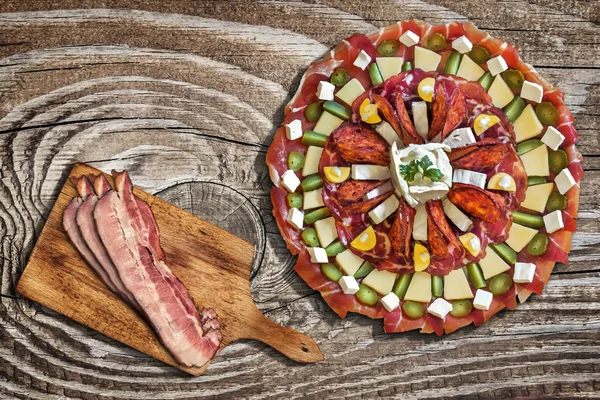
[
  {"x": 326, "y": 231},
  {"x": 492, "y": 265},
  {"x": 527, "y": 125},
  {"x": 350, "y": 91},
  {"x": 380, "y": 281},
  {"x": 456, "y": 286},
  {"x": 536, "y": 161},
  {"x": 327, "y": 123},
  {"x": 519, "y": 236},
  {"x": 348, "y": 261},
  {"x": 469, "y": 70},
  {"x": 389, "y": 66},
  {"x": 311, "y": 160},
  {"x": 500, "y": 93},
  {"x": 536, "y": 196},
  {"x": 419, "y": 288},
  {"x": 426, "y": 59}
]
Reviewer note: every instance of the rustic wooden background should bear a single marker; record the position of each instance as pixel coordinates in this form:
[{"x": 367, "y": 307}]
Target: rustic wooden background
[{"x": 187, "y": 95}]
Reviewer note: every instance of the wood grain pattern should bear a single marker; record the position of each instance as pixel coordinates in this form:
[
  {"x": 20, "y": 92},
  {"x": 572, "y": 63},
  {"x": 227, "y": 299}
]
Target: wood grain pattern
[{"x": 187, "y": 95}]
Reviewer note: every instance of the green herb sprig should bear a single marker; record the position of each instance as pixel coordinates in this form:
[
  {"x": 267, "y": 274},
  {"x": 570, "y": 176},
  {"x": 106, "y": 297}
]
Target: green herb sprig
[{"x": 410, "y": 170}]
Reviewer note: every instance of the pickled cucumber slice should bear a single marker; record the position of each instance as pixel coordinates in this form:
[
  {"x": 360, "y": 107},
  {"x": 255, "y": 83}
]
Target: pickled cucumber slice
[
  {"x": 337, "y": 109},
  {"x": 331, "y": 272},
  {"x": 295, "y": 200},
  {"x": 401, "y": 285},
  {"x": 316, "y": 215},
  {"x": 556, "y": 201},
  {"x": 412, "y": 309},
  {"x": 295, "y": 160},
  {"x": 538, "y": 244},
  {"x": 364, "y": 270},
  {"x": 500, "y": 284},
  {"x": 479, "y": 54},
  {"x": 546, "y": 113},
  {"x": 513, "y": 78},
  {"x": 535, "y": 180},
  {"x": 437, "y": 286},
  {"x": 339, "y": 77},
  {"x": 366, "y": 295},
  {"x": 505, "y": 252},
  {"x": 310, "y": 237},
  {"x": 375, "y": 75},
  {"x": 486, "y": 80},
  {"x": 313, "y": 111},
  {"x": 514, "y": 109},
  {"x": 558, "y": 160},
  {"x": 475, "y": 275},
  {"x": 407, "y": 66},
  {"x": 452, "y": 64},
  {"x": 312, "y": 182},
  {"x": 388, "y": 48},
  {"x": 529, "y": 220},
  {"x": 312, "y": 138},
  {"x": 528, "y": 145},
  {"x": 334, "y": 248},
  {"x": 436, "y": 42},
  {"x": 461, "y": 308}
]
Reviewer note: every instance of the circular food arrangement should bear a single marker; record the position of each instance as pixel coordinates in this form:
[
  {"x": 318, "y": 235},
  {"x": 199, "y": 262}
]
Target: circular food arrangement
[{"x": 425, "y": 175}]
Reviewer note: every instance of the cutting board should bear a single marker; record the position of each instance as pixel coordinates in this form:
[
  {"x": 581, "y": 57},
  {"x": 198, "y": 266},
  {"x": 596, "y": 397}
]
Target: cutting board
[{"x": 212, "y": 263}]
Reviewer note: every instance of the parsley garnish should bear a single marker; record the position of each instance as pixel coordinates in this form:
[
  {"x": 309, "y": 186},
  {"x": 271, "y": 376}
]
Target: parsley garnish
[{"x": 422, "y": 166}]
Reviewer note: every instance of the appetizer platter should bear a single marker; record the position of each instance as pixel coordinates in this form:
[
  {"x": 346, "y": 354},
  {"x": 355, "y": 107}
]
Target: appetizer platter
[
  {"x": 427, "y": 176},
  {"x": 127, "y": 264}
]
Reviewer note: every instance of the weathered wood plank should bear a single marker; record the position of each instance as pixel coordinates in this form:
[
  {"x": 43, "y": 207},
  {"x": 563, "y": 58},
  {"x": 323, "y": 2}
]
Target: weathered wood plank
[{"x": 187, "y": 97}]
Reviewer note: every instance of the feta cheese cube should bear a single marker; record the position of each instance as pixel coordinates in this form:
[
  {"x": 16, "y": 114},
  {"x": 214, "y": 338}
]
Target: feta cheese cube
[
  {"x": 311, "y": 160},
  {"x": 483, "y": 300},
  {"x": 524, "y": 272},
  {"x": 388, "y": 133},
  {"x": 325, "y": 90},
  {"x": 349, "y": 262},
  {"x": 390, "y": 301},
  {"x": 420, "y": 224},
  {"x": 497, "y": 65},
  {"x": 460, "y": 137},
  {"x": 296, "y": 218},
  {"x": 532, "y": 91},
  {"x": 293, "y": 130},
  {"x": 362, "y": 60},
  {"x": 370, "y": 172},
  {"x": 378, "y": 191},
  {"x": 326, "y": 231},
  {"x": 419, "y": 109},
  {"x": 350, "y": 91},
  {"x": 384, "y": 210},
  {"x": 553, "y": 221},
  {"x": 564, "y": 181},
  {"x": 553, "y": 138},
  {"x": 455, "y": 215},
  {"x": 290, "y": 181},
  {"x": 439, "y": 308},
  {"x": 462, "y": 45},
  {"x": 469, "y": 177},
  {"x": 348, "y": 284},
  {"x": 317, "y": 255},
  {"x": 409, "y": 39}
]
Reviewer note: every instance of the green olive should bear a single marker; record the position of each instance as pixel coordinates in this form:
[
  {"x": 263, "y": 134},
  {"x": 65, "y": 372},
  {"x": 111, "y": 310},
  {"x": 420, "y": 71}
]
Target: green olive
[
  {"x": 436, "y": 42},
  {"x": 461, "y": 308},
  {"x": 412, "y": 309},
  {"x": 295, "y": 160},
  {"x": 479, "y": 54},
  {"x": 556, "y": 201},
  {"x": 500, "y": 284},
  {"x": 388, "y": 48},
  {"x": 513, "y": 78},
  {"x": 558, "y": 160},
  {"x": 546, "y": 113},
  {"x": 309, "y": 236},
  {"x": 538, "y": 244},
  {"x": 366, "y": 295},
  {"x": 295, "y": 200},
  {"x": 313, "y": 111},
  {"x": 339, "y": 77},
  {"x": 407, "y": 66},
  {"x": 331, "y": 272}
]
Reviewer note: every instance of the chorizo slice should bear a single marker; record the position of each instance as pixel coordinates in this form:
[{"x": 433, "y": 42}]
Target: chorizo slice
[
  {"x": 408, "y": 133},
  {"x": 439, "y": 232},
  {"x": 401, "y": 231},
  {"x": 483, "y": 157},
  {"x": 353, "y": 191},
  {"x": 359, "y": 143},
  {"x": 439, "y": 109},
  {"x": 388, "y": 112},
  {"x": 457, "y": 112},
  {"x": 480, "y": 203},
  {"x": 364, "y": 206}
]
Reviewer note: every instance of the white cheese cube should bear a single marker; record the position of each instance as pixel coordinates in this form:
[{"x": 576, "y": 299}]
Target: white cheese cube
[
  {"x": 536, "y": 161},
  {"x": 348, "y": 284},
  {"x": 350, "y": 91},
  {"x": 367, "y": 172},
  {"x": 326, "y": 231},
  {"x": 497, "y": 65},
  {"x": 311, "y": 160},
  {"x": 419, "y": 110},
  {"x": 317, "y": 255},
  {"x": 380, "y": 281},
  {"x": 389, "y": 134},
  {"x": 519, "y": 236},
  {"x": 456, "y": 286},
  {"x": 293, "y": 130},
  {"x": 384, "y": 210},
  {"x": 290, "y": 181},
  {"x": 420, "y": 223},
  {"x": 524, "y": 272},
  {"x": 439, "y": 308},
  {"x": 325, "y": 90},
  {"x": 532, "y": 91},
  {"x": 390, "y": 301},
  {"x": 462, "y": 45},
  {"x": 527, "y": 125},
  {"x": 313, "y": 199},
  {"x": 426, "y": 59},
  {"x": 389, "y": 66},
  {"x": 564, "y": 181},
  {"x": 469, "y": 69},
  {"x": 483, "y": 300},
  {"x": 327, "y": 123},
  {"x": 409, "y": 39},
  {"x": 500, "y": 92},
  {"x": 349, "y": 262},
  {"x": 460, "y": 137},
  {"x": 536, "y": 196},
  {"x": 553, "y": 138},
  {"x": 469, "y": 177},
  {"x": 492, "y": 264},
  {"x": 296, "y": 218},
  {"x": 362, "y": 60},
  {"x": 553, "y": 221},
  {"x": 378, "y": 191},
  {"x": 419, "y": 288},
  {"x": 455, "y": 215}
]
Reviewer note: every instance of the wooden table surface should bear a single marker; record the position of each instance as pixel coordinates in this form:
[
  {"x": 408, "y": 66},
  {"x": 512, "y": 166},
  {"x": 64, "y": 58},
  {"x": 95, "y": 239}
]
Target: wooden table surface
[{"x": 186, "y": 95}]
